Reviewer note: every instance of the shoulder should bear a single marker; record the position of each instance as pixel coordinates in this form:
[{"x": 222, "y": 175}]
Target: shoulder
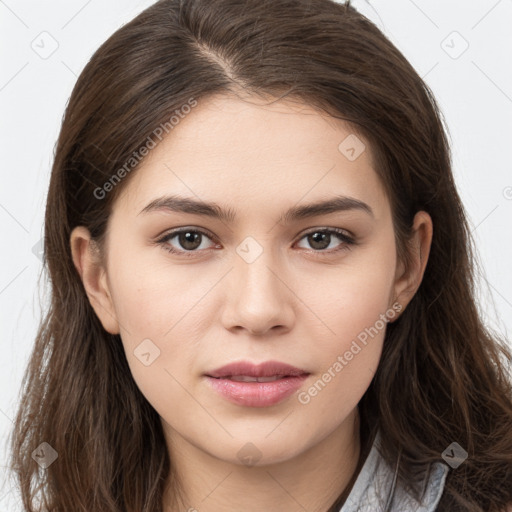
[{"x": 377, "y": 488}]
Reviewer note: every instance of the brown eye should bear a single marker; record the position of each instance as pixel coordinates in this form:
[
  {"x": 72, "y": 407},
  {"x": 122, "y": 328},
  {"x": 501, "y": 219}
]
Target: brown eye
[
  {"x": 320, "y": 239},
  {"x": 187, "y": 241}
]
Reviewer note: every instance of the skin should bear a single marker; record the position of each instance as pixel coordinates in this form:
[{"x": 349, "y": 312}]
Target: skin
[{"x": 295, "y": 303}]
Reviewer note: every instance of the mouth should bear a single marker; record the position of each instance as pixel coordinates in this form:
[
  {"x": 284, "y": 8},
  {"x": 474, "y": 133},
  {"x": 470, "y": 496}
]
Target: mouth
[
  {"x": 246, "y": 371},
  {"x": 249, "y": 391},
  {"x": 248, "y": 378},
  {"x": 256, "y": 385}
]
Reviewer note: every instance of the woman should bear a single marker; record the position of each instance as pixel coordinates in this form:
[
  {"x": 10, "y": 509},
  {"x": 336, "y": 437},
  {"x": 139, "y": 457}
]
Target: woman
[{"x": 262, "y": 280}]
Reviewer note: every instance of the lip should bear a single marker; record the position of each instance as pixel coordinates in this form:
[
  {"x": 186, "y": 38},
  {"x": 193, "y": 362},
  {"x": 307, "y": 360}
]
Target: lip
[
  {"x": 265, "y": 369},
  {"x": 256, "y": 394}
]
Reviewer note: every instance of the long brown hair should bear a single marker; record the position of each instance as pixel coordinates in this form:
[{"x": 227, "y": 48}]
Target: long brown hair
[{"x": 443, "y": 376}]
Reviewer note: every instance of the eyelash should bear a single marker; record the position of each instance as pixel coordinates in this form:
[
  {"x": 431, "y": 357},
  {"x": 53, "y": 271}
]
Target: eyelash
[{"x": 345, "y": 246}]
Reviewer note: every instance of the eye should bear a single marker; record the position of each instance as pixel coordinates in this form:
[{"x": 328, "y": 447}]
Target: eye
[
  {"x": 320, "y": 239},
  {"x": 189, "y": 241}
]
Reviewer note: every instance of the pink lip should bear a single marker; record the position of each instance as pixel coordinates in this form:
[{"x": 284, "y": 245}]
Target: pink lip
[
  {"x": 266, "y": 369},
  {"x": 257, "y": 394}
]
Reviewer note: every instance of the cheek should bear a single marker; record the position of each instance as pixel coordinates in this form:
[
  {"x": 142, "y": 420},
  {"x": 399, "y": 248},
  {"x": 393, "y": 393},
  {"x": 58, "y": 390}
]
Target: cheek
[
  {"x": 352, "y": 298},
  {"x": 351, "y": 305},
  {"x": 160, "y": 310},
  {"x": 348, "y": 353},
  {"x": 152, "y": 295}
]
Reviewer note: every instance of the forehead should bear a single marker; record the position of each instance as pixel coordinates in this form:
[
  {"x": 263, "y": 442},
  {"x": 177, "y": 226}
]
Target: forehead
[{"x": 250, "y": 154}]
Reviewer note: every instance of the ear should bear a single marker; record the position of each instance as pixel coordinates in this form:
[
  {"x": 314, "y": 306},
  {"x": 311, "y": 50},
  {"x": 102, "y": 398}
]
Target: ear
[
  {"x": 86, "y": 258},
  {"x": 408, "y": 280}
]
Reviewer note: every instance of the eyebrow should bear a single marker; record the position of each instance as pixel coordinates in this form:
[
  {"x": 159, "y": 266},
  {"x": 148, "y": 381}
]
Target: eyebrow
[{"x": 188, "y": 205}]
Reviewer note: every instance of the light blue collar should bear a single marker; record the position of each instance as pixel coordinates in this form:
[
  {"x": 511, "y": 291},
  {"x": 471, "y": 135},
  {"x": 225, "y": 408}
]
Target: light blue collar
[{"x": 375, "y": 491}]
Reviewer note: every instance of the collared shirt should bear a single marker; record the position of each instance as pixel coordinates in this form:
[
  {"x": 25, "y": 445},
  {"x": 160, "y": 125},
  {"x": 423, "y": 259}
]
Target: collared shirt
[{"x": 374, "y": 489}]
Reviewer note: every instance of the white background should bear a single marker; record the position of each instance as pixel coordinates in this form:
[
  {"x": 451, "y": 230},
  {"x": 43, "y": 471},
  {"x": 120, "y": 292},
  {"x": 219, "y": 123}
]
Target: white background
[{"x": 473, "y": 87}]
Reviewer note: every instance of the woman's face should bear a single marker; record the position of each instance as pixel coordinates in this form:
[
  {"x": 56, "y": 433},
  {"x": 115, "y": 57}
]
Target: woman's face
[{"x": 263, "y": 283}]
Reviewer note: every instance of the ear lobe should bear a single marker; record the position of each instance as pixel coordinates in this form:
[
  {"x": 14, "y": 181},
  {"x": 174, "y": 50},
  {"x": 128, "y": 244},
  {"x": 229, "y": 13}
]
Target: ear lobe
[
  {"x": 409, "y": 279},
  {"x": 94, "y": 277}
]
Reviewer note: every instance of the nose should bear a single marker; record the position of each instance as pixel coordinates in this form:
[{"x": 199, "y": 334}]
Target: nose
[{"x": 258, "y": 298}]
